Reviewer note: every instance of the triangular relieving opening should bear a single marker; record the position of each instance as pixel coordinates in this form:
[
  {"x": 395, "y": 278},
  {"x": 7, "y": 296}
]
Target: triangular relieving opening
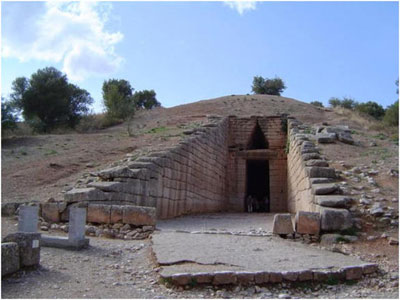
[{"x": 257, "y": 139}]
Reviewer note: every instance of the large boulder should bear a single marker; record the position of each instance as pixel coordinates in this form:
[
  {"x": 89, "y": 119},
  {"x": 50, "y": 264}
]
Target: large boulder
[
  {"x": 335, "y": 219},
  {"x": 9, "y": 258}
]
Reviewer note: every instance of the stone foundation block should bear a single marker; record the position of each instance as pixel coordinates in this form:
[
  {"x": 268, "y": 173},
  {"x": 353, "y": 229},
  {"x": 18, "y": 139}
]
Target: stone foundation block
[
  {"x": 305, "y": 275},
  {"x": 261, "y": 277},
  {"x": 29, "y": 247},
  {"x": 51, "y": 212},
  {"x": 181, "y": 279},
  {"x": 99, "y": 213},
  {"x": 85, "y": 194},
  {"x": 369, "y": 268},
  {"x": 353, "y": 272},
  {"x": 275, "y": 277},
  {"x": 245, "y": 278},
  {"x": 139, "y": 215},
  {"x": 320, "y": 275},
  {"x": 308, "y": 222},
  {"x": 116, "y": 214},
  {"x": 335, "y": 219},
  {"x": 224, "y": 277},
  {"x": 202, "y": 277},
  {"x": 9, "y": 258},
  {"x": 283, "y": 224}
]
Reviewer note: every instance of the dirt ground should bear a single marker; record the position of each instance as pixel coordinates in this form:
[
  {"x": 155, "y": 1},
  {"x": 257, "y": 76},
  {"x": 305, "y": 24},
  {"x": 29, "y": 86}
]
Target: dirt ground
[{"x": 43, "y": 166}]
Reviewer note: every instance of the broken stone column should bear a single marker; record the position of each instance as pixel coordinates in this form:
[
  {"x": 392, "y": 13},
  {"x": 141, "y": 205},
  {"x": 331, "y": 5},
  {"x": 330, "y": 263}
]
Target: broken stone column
[
  {"x": 28, "y": 218},
  {"x": 283, "y": 224}
]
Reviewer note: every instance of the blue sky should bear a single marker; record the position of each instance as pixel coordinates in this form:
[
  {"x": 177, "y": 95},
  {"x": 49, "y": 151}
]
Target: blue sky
[{"x": 190, "y": 51}]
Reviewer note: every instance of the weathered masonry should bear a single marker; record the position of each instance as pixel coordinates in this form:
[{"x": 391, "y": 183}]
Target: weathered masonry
[{"x": 217, "y": 168}]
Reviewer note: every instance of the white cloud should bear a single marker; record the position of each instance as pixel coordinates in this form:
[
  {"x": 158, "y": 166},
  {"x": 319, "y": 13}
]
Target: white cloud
[
  {"x": 241, "y": 5},
  {"x": 70, "y": 33}
]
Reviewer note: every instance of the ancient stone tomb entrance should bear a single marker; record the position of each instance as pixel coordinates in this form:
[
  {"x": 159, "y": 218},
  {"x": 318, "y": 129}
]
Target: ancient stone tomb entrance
[{"x": 257, "y": 186}]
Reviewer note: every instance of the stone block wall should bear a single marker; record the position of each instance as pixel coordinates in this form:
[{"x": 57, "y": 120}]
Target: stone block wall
[{"x": 300, "y": 197}]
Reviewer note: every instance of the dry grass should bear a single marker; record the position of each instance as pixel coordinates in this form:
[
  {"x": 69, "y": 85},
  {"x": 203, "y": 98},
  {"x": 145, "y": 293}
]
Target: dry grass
[{"x": 365, "y": 121}]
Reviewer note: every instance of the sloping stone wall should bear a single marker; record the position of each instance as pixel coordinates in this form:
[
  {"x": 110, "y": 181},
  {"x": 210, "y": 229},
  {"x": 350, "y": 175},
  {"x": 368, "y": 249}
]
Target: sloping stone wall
[
  {"x": 312, "y": 184},
  {"x": 189, "y": 178}
]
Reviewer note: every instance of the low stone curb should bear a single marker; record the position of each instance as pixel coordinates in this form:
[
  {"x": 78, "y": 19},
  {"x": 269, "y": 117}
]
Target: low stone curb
[{"x": 260, "y": 277}]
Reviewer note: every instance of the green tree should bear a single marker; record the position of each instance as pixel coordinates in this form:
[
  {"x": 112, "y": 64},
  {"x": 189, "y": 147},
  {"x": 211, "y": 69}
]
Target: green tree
[
  {"x": 258, "y": 85},
  {"x": 267, "y": 86},
  {"x": 47, "y": 99},
  {"x": 8, "y": 116},
  {"x": 371, "y": 108},
  {"x": 146, "y": 99},
  {"x": 348, "y": 103},
  {"x": 334, "y": 102},
  {"x": 391, "y": 117},
  {"x": 317, "y": 103},
  {"x": 118, "y": 98}
]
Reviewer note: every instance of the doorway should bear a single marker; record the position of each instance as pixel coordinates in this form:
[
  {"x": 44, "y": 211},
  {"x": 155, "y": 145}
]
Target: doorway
[{"x": 257, "y": 186}]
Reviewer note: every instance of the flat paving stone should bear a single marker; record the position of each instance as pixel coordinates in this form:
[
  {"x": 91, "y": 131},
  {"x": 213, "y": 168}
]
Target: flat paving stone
[
  {"x": 229, "y": 222},
  {"x": 186, "y": 246}
]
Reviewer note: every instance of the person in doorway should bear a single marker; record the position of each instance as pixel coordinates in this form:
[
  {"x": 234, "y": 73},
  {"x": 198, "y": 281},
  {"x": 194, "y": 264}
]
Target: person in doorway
[{"x": 250, "y": 203}]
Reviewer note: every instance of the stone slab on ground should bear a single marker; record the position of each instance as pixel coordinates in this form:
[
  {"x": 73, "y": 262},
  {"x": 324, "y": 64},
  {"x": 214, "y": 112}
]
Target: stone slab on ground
[
  {"x": 216, "y": 222},
  {"x": 188, "y": 253}
]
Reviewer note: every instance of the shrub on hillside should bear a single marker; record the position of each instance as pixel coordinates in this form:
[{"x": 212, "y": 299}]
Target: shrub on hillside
[
  {"x": 371, "y": 108},
  {"x": 347, "y": 103},
  {"x": 334, "y": 102},
  {"x": 267, "y": 86},
  {"x": 391, "y": 117},
  {"x": 8, "y": 116},
  {"x": 317, "y": 103},
  {"x": 47, "y": 100}
]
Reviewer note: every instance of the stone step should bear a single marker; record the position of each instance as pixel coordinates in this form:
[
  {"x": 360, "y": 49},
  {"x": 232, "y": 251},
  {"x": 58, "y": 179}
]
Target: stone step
[
  {"x": 324, "y": 188},
  {"x": 336, "y": 201},
  {"x": 321, "y": 180},
  {"x": 314, "y": 172},
  {"x": 335, "y": 219},
  {"x": 317, "y": 163}
]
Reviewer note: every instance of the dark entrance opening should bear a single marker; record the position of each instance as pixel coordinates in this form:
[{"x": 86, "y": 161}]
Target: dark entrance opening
[{"x": 257, "y": 183}]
